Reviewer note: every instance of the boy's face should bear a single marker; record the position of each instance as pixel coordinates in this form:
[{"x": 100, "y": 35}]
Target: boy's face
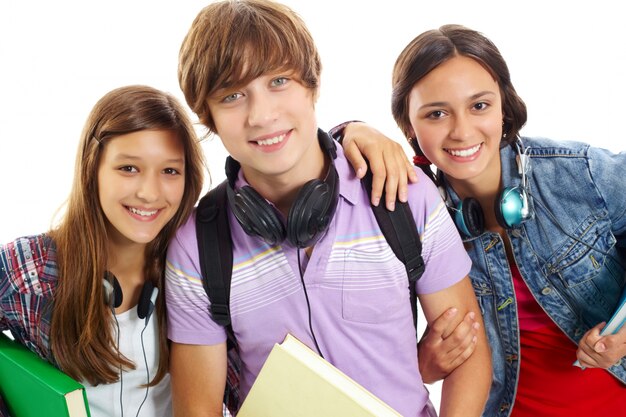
[{"x": 269, "y": 127}]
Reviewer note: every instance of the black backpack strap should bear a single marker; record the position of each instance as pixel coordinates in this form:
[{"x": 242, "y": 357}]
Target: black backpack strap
[
  {"x": 216, "y": 252},
  {"x": 215, "y": 248},
  {"x": 399, "y": 229}
]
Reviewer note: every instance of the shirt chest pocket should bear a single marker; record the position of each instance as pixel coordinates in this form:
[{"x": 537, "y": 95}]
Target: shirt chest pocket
[
  {"x": 374, "y": 286},
  {"x": 584, "y": 253}
]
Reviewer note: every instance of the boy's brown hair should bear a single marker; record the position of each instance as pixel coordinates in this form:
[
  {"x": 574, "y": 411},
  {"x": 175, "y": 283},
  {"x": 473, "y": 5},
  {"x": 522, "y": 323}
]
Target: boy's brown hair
[{"x": 232, "y": 42}]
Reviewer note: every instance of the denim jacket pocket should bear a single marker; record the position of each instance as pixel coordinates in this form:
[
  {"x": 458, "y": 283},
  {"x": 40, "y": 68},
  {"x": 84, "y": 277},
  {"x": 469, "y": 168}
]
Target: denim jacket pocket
[{"x": 583, "y": 254}]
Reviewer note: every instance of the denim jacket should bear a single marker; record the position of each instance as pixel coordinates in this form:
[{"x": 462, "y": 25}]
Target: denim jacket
[{"x": 571, "y": 253}]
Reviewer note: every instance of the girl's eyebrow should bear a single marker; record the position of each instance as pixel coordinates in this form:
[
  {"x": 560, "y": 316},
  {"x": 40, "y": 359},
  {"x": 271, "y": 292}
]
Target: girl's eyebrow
[
  {"x": 471, "y": 98},
  {"x": 123, "y": 156}
]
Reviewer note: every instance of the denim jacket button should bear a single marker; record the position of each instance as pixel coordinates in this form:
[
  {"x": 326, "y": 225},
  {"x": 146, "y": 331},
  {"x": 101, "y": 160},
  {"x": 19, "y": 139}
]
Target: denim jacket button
[{"x": 546, "y": 291}]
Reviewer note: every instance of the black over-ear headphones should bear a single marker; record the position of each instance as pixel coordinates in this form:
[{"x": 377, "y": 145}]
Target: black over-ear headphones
[
  {"x": 309, "y": 216},
  {"x": 113, "y": 296},
  {"x": 512, "y": 206}
]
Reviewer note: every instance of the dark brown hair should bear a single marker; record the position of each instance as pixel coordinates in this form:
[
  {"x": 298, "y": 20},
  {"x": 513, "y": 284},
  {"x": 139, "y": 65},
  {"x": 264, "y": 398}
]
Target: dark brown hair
[
  {"x": 232, "y": 42},
  {"x": 81, "y": 335},
  {"x": 434, "y": 47}
]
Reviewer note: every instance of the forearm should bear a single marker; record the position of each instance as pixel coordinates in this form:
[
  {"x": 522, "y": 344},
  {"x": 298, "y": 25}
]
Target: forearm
[
  {"x": 465, "y": 390},
  {"x": 198, "y": 375}
]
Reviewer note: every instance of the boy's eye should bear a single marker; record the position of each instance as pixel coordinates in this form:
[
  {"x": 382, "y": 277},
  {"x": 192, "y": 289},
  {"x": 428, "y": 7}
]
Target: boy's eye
[
  {"x": 231, "y": 97},
  {"x": 277, "y": 82}
]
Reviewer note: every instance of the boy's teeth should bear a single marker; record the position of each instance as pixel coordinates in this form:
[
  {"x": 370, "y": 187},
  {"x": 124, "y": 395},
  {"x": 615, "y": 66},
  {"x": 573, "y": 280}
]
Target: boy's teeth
[
  {"x": 142, "y": 212},
  {"x": 465, "y": 152},
  {"x": 271, "y": 141}
]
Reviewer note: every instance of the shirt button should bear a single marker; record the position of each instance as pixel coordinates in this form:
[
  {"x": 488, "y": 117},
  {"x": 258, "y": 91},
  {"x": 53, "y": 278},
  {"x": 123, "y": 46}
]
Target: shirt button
[{"x": 546, "y": 291}]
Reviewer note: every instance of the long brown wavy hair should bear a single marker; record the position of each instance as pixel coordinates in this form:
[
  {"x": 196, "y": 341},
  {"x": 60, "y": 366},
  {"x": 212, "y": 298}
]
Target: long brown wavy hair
[{"x": 81, "y": 337}]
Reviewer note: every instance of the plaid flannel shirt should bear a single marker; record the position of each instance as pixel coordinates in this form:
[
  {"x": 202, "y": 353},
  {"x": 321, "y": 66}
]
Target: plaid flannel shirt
[{"x": 28, "y": 276}]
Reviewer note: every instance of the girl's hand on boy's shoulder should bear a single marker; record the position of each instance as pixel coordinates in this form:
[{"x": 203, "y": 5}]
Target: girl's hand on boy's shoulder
[{"x": 388, "y": 162}]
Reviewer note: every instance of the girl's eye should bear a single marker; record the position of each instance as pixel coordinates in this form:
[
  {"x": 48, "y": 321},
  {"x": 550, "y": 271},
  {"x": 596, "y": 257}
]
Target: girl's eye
[
  {"x": 437, "y": 114},
  {"x": 481, "y": 106},
  {"x": 128, "y": 168},
  {"x": 171, "y": 171},
  {"x": 280, "y": 81}
]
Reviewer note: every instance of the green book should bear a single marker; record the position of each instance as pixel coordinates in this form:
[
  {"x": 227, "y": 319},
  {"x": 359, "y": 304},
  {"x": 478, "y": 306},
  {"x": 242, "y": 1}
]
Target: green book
[{"x": 32, "y": 387}]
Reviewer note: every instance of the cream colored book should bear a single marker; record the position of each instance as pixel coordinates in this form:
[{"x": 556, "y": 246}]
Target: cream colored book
[{"x": 297, "y": 382}]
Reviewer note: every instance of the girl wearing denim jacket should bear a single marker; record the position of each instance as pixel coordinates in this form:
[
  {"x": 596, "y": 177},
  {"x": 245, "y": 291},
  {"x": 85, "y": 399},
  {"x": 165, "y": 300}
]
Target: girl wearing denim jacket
[{"x": 543, "y": 221}]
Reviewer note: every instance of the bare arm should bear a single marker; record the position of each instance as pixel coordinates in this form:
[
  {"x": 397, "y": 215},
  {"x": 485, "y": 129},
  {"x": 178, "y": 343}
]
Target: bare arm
[
  {"x": 198, "y": 374},
  {"x": 388, "y": 162},
  {"x": 446, "y": 344},
  {"x": 465, "y": 389}
]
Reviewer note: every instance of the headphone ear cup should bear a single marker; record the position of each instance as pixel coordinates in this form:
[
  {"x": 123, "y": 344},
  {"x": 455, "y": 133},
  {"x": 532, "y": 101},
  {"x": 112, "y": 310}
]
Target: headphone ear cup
[
  {"x": 147, "y": 301},
  {"x": 255, "y": 215},
  {"x": 311, "y": 213},
  {"x": 113, "y": 295},
  {"x": 144, "y": 300},
  {"x": 469, "y": 218},
  {"x": 509, "y": 207}
]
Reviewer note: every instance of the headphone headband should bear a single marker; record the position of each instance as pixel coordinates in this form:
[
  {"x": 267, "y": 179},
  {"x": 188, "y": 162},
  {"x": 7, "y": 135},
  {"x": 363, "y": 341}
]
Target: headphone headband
[{"x": 309, "y": 215}]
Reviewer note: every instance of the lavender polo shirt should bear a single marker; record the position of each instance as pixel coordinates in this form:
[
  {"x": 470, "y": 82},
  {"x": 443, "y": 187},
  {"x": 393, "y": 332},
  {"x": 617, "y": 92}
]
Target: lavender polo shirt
[{"x": 357, "y": 289}]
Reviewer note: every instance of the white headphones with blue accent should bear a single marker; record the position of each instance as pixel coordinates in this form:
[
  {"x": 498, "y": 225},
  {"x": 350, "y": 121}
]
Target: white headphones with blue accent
[{"x": 513, "y": 205}]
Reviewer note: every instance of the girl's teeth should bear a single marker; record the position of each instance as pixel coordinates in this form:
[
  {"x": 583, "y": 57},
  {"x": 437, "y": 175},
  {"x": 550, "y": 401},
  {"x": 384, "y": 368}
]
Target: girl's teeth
[
  {"x": 271, "y": 141},
  {"x": 465, "y": 152},
  {"x": 142, "y": 212}
]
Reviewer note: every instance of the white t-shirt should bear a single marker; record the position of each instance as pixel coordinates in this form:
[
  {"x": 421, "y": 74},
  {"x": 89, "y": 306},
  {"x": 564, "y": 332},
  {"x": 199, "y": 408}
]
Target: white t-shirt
[{"x": 104, "y": 399}]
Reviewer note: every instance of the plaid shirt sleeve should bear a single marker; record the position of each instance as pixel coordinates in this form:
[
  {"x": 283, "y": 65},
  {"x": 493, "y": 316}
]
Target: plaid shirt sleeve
[{"x": 28, "y": 275}]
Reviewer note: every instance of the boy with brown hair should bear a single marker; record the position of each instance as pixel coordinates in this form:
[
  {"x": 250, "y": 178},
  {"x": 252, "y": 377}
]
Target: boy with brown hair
[{"x": 309, "y": 258}]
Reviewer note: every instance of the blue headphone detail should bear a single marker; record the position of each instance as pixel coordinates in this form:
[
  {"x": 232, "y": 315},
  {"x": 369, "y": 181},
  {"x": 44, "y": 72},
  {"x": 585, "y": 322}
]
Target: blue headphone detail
[{"x": 512, "y": 206}]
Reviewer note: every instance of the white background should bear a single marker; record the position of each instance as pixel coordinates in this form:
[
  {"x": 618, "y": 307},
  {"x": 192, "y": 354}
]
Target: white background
[{"x": 57, "y": 58}]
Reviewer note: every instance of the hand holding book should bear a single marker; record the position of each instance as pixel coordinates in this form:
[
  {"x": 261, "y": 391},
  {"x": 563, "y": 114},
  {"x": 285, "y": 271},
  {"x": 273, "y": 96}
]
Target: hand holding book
[{"x": 605, "y": 353}]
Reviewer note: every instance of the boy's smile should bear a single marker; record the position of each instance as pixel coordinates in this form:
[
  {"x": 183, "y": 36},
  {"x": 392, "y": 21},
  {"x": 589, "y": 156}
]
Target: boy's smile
[
  {"x": 269, "y": 127},
  {"x": 272, "y": 142}
]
